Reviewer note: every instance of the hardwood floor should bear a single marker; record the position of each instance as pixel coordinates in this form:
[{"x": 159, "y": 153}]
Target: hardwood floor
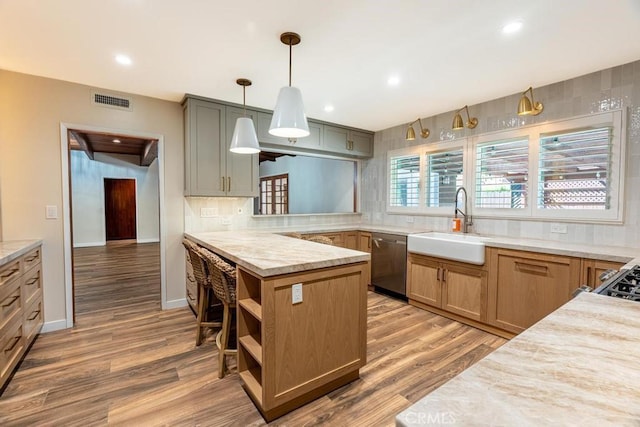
[{"x": 126, "y": 362}]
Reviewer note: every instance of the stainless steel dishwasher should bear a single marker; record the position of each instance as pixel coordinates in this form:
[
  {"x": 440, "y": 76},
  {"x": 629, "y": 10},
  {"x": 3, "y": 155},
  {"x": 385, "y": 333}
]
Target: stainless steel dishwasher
[{"x": 389, "y": 262}]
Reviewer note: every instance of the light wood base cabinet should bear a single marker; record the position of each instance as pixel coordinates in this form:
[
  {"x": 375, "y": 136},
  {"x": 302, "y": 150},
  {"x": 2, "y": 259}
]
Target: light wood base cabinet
[
  {"x": 21, "y": 315},
  {"x": 524, "y": 287},
  {"x": 593, "y": 268},
  {"x": 450, "y": 286},
  {"x": 289, "y": 354}
]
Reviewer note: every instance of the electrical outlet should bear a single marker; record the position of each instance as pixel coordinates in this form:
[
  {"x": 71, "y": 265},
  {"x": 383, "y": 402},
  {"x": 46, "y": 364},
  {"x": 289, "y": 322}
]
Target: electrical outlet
[
  {"x": 226, "y": 221},
  {"x": 208, "y": 212},
  {"x": 296, "y": 293},
  {"x": 240, "y": 211},
  {"x": 366, "y": 216},
  {"x": 559, "y": 228},
  {"x": 410, "y": 219}
]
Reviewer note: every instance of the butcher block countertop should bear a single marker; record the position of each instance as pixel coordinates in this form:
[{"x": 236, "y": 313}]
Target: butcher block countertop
[
  {"x": 11, "y": 250},
  {"x": 577, "y": 366},
  {"x": 268, "y": 254}
]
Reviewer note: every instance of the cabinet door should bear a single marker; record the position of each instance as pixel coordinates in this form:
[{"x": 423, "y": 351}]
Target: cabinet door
[
  {"x": 364, "y": 243},
  {"x": 423, "y": 284},
  {"x": 350, "y": 240},
  {"x": 242, "y": 169},
  {"x": 205, "y": 150},
  {"x": 336, "y": 139},
  {"x": 593, "y": 268},
  {"x": 464, "y": 290},
  {"x": 361, "y": 143},
  {"x": 525, "y": 287}
]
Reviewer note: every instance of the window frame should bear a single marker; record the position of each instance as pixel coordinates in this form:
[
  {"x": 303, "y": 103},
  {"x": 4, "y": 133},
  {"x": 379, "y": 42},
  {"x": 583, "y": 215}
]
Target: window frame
[{"x": 615, "y": 119}]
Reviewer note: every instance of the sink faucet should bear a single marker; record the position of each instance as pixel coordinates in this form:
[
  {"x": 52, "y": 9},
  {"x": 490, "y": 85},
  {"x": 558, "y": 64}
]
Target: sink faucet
[{"x": 467, "y": 222}]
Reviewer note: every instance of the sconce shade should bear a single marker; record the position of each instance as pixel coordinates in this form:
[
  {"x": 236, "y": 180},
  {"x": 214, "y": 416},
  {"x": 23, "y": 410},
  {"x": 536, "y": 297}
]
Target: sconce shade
[
  {"x": 458, "y": 123},
  {"x": 528, "y": 106},
  {"x": 411, "y": 134},
  {"x": 244, "y": 140},
  {"x": 289, "y": 119}
]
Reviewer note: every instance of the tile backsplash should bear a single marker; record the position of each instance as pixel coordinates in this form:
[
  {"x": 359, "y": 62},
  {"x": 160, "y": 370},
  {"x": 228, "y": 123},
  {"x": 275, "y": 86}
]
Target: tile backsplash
[{"x": 614, "y": 88}]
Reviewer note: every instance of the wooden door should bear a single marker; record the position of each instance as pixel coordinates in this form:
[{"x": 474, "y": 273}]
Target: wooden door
[
  {"x": 464, "y": 289},
  {"x": 120, "y": 208},
  {"x": 423, "y": 283},
  {"x": 351, "y": 240}
]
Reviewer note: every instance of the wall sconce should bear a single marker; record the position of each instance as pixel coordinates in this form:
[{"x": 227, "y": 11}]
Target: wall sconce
[
  {"x": 458, "y": 124},
  {"x": 411, "y": 134},
  {"x": 244, "y": 139},
  {"x": 289, "y": 119},
  {"x": 528, "y": 107}
]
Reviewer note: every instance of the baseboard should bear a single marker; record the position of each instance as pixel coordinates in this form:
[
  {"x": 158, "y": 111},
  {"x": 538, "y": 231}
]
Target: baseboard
[
  {"x": 54, "y": 325},
  {"x": 176, "y": 303},
  {"x": 89, "y": 244},
  {"x": 153, "y": 240}
]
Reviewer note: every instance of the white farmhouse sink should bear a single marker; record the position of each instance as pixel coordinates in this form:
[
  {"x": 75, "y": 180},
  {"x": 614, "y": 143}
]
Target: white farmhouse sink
[{"x": 457, "y": 247}]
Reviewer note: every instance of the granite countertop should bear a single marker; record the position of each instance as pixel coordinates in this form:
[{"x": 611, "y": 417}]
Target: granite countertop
[
  {"x": 13, "y": 249},
  {"x": 268, "y": 254},
  {"x": 577, "y": 366}
]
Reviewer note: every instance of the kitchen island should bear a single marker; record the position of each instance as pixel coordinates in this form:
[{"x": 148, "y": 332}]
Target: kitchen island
[
  {"x": 577, "y": 366},
  {"x": 291, "y": 352}
]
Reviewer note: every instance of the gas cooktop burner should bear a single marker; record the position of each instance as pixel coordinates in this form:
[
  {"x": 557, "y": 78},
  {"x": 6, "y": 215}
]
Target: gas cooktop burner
[{"x": 625, "y": 284}]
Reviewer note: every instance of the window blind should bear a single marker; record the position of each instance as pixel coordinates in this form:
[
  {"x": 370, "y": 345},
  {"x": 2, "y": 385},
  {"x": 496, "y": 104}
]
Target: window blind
[
  {"x": 574, "y": 168},
  {"x": 444, "y": 175},
  {"x": 502, "y": 172},
  {"x": 404, "y": 182}
]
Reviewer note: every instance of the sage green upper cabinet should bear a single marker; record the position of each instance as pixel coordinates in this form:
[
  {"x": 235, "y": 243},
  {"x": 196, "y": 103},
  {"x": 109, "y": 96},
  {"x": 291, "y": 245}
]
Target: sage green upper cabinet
[
  {"x": 242, "y": 169},
  {"x": 210, "y": 168},
  {"x": 311, "y": 142},
  {"x": 347, "y": 141}
]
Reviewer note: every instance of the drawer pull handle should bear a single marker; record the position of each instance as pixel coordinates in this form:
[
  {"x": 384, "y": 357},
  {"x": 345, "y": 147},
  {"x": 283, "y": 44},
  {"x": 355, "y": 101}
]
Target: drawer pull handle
[
  {"x": 13, "y": 344},
  {"x": 9, "y": 273},
  {"x": 532, "y": 267},
  {"x": 14, "y": 299},
  {"x": 34, "y": 315},
  {"x": 32, "y": 281},
  {"x": 31, "y": 258}
]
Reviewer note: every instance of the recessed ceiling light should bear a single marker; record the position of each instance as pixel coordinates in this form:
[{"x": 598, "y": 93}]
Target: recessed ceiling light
[
  {"x": 393, "y": 81},
  {"x": 512, "y": 27},
  {"x": 123, "y": 60},
  {"x": 116, "y": 141},
  {"x": 328, "y": 108}
]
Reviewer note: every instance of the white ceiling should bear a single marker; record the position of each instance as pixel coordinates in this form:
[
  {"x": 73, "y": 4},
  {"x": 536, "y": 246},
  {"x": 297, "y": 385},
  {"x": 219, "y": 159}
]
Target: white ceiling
[{"x": 447, "y": 53}]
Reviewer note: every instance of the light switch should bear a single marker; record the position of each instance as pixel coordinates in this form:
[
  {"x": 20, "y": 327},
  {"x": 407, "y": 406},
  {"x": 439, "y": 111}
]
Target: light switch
[
  {"x": 51, "y": 212},
  {"x": 296, "y": 293}
]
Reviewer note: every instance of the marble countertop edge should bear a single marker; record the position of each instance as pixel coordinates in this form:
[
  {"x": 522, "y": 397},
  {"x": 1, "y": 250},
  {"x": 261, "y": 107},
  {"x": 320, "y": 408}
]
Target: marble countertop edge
[{"x": 13, "y": 249}]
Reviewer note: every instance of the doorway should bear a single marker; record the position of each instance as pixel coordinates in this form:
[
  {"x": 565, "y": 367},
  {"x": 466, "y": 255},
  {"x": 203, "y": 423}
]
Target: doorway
[{"x": 120, "y": 208}]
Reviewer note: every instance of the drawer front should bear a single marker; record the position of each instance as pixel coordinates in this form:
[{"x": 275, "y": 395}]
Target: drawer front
[
  {"x": 31, "y": 259},
  {"x": 11, "y": 347},
  {"x": 9, "y": 272},
  {"x": 10, "y": 303},
  {"x": 192, "y": 293},
  {"x": 31, "y": 285},
  {"x": 33, "y": 320}
]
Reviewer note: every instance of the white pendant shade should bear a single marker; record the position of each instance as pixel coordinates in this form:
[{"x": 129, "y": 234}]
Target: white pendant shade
[
  {"x": 289, "y": 119},
  {"x": 244, "y": 140}
]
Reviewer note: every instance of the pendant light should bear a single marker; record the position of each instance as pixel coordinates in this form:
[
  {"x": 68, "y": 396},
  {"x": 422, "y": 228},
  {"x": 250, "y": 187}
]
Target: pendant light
[
  {"x": 244, "y": 139},
  {"x": 289, "y": 119}
]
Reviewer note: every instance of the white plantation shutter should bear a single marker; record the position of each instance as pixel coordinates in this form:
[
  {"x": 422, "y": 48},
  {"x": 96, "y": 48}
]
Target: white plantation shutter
[
  {"x": 502, "y": 173},
  {"x": 574, "y": 170},
  {"x": 404, "y": 181},
  {"x": 444, "y": 175}
]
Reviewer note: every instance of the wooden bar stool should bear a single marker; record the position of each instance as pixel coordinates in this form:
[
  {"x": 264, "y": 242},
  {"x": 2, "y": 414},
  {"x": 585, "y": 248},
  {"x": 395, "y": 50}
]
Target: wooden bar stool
[
  {"x": 204, "y": 286},
  {"x": 223, "y": 279}
]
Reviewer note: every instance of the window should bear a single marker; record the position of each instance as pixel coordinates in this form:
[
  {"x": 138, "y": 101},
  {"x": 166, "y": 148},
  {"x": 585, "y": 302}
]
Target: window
[
  {"x": 574, "y": 169},
  {"x": 274, "y": 195},
  {"x": 444, "y": 176},
  {"x": 404, "y": 187},
  {"x": 502, "y": 174}
]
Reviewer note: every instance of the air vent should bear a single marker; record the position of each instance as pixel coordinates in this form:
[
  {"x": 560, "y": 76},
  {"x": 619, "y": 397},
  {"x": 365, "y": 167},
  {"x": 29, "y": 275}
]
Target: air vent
[{"x": 111, "y": 101}]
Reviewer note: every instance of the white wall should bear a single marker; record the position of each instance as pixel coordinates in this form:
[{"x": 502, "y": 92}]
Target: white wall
[
  {"x": 87, "y": 178},
  {"x": 31, "y": 112},
  {"x": 316, "y": 184}
]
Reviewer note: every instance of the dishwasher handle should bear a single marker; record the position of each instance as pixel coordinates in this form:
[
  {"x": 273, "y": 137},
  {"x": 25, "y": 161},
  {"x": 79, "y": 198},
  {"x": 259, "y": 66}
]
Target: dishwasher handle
[{"x": 377, "y": 240}]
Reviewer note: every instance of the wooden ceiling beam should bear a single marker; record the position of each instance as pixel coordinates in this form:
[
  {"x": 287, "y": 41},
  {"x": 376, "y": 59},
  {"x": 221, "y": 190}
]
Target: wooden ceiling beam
[
  {"x": 84, "y": 143},
  {"x": 149, "y": 153}
]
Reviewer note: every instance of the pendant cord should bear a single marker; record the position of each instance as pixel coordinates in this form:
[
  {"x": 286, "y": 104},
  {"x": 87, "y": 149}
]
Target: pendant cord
[
  {"x": 290, "y": 55},
  {"x": 244, "y": 100}
]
